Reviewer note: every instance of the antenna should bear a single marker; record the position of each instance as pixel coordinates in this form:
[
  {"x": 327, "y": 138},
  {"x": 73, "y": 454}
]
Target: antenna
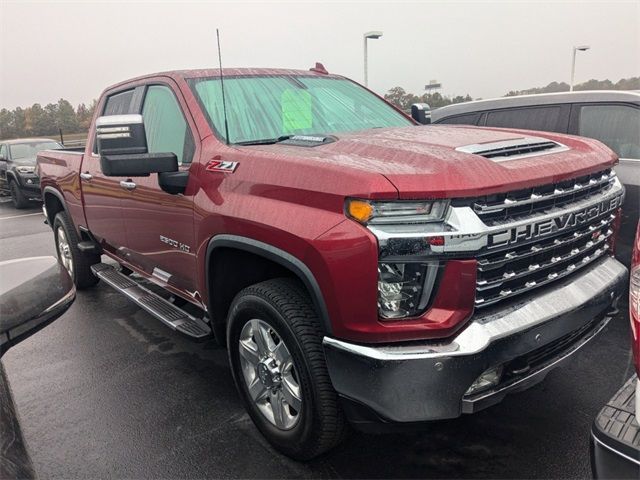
[{"x": 224, "y": 103}]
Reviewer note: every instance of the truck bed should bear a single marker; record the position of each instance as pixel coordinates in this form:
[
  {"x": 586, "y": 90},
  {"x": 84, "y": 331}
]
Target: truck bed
[{"x": 59, "y": 175}]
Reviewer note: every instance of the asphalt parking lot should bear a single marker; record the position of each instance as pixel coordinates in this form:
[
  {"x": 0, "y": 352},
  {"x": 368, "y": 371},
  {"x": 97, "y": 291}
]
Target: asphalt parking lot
[{"x": 107, "y": 391}]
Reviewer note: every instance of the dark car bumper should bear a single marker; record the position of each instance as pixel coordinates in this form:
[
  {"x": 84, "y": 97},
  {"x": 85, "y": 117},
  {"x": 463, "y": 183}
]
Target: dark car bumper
[
  {"x": 431, "y": 381},
  {"x": 615, "y": 436},
  {"x": 30, "y": 185}
]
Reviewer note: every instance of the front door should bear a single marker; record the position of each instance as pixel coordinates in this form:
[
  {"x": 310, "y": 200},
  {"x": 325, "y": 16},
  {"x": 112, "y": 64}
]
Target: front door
[
  {"x": 102, "y": 194},
  {"x": 159, "y": 226}
]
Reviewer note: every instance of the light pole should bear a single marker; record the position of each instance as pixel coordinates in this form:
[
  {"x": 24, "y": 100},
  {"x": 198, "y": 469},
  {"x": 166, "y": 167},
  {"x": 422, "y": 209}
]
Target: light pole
[
  {"x": 582, "y": 48},
  {"x": 373, "y": 35}
]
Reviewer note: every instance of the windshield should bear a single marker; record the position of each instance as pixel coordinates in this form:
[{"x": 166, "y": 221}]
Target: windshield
[
  {"x": 269, "y": 107},
  {"x": 29, "y": 150}
]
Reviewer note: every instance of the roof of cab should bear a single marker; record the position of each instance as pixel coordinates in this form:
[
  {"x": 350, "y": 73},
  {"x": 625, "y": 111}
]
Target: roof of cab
[
  {"x": 227, "y": 72},
  {"x": 626, "y": 96}
]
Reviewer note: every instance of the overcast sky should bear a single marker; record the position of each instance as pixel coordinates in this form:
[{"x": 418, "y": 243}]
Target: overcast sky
[{"x": 73, "y": 50}]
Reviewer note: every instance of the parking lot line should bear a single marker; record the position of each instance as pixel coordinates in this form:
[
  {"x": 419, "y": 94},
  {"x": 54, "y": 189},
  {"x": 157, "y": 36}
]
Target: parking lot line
[{"x": 18, "y": 216}]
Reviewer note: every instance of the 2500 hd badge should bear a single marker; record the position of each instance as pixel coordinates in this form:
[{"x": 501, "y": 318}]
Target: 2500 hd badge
[
  {"x": 533, "y": 230},
  {"x": 174, "y": 243}
]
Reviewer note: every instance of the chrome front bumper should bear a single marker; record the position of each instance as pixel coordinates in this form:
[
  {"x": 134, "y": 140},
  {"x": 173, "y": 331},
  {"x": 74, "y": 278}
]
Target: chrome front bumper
[{"x": 428, "y": 381}]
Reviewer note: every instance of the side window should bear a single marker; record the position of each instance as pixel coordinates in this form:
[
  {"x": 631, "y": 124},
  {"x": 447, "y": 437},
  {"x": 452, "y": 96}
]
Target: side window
[
  {"x": 469, "y": 119},
  {"x": 119, "y": 104},
  {"x": 538, "y": 118},
  {"x": 166, "y": 127},
  {"x": 3, "y": 151},
  {"x": 617, "y": 126}
]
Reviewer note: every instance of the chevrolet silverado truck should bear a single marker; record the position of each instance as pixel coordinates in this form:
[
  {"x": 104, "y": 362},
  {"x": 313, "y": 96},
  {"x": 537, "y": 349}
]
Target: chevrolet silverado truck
[{"x": 361, "y": 269}]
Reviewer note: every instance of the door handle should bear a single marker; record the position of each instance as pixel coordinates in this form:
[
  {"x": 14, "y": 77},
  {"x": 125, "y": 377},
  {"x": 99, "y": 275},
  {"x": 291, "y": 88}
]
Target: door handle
[
  {"x": 128, "y": 185},
  {"x": 86, "y": 176}
]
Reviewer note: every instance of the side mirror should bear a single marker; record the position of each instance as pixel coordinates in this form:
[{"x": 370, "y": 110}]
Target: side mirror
[
  {"x": 33, "y": 292},
  {"x": 122, "y": 145},
  {"x": 421, "y": 113},
  {"x": 121, "y": 135}
]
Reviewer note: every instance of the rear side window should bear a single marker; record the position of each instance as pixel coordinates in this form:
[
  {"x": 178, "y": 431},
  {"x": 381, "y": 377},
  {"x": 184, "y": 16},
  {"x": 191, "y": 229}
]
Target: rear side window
[
  {"x": 542, "y": 118},
  {"x": 166, "y": 127},
  {"x": 617, "y": 126},
  {"x": 119, "y": 104},
  {"x": 461, "y": 119}
]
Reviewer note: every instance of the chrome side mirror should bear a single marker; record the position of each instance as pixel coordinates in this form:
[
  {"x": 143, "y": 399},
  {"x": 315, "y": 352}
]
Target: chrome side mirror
[
  {"x": 121, "y": 135},
  {"x": 421, "y": 113}
]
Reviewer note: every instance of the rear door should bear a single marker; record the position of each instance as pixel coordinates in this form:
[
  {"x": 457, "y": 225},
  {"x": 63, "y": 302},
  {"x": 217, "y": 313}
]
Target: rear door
[
  {"x": 103, "y": 195},
  {"x": 159, "y": 225}
]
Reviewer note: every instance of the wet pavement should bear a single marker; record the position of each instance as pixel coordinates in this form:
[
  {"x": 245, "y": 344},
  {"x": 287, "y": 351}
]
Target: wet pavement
[{"x": 108, "y": 391}]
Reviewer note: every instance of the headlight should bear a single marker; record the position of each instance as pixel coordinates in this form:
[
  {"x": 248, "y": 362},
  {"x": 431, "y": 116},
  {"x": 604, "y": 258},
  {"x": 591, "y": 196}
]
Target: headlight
[
  {"x": 373, "y": 212},
  {"x": 25, "y": 169},
  {"x": 404, "y": 289}
]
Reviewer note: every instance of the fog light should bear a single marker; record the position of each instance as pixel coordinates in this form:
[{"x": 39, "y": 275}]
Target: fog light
[
  {"x": 404, "y": 289},
  {"x": 490, "y": 378}
]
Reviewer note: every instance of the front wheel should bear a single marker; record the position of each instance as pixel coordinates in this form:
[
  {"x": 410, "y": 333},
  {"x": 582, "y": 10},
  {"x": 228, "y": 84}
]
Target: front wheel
[
  {"x": 17, "y": 197},
  {"x": 77, "y": 263},
  {"x": 275, "y": 349}
]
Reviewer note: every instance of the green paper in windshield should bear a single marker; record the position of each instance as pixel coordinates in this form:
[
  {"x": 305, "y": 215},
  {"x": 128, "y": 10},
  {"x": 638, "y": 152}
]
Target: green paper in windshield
[{"x": 296, "y": 110}]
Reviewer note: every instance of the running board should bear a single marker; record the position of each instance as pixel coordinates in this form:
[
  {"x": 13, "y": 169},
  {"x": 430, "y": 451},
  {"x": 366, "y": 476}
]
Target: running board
[{"x": 157, "y": 306}]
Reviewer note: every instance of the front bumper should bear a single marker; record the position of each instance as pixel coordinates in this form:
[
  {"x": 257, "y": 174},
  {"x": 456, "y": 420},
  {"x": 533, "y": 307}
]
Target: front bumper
[
  {"x": 422, "y": 381},
  {"x": 615, "y": 436},
  {"x": 30, "y": 185}
]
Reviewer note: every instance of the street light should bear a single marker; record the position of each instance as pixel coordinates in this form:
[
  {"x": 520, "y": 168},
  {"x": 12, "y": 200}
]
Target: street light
[
  {"x": 582, "y": 48},
  {"x": 369, "y": 35}
]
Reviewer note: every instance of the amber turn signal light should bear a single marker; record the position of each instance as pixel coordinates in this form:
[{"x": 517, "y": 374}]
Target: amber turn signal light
[{"x": 360, "y": 210}]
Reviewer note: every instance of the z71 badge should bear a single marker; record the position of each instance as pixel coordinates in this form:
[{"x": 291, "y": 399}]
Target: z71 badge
[{"x": 220, "y": 166}]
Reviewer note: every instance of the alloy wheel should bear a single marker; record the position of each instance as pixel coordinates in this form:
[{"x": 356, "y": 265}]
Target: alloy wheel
[
  {"x": 270, "y": 374},
  {"x": 64, "y": 251}
]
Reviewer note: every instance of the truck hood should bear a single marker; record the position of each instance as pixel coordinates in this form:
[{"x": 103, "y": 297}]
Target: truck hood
[{"x": 423, "y": 161}]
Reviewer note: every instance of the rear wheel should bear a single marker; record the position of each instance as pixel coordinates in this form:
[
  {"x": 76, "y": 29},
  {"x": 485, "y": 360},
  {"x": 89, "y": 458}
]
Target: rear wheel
[
  {"x": 275, "y": 349},
  {"x": 18, "y": 198},
  {"x": 77, "y": 263}
]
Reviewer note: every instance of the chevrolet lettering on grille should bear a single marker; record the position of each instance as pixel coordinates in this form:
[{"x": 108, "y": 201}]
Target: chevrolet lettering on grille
[{"x": 550, "y": 226}]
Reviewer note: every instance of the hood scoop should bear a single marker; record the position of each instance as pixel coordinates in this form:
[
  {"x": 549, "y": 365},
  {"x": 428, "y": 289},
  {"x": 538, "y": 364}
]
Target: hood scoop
[
  {"x": 514, "y": 149},
  {"x": 309, "y": 140}
]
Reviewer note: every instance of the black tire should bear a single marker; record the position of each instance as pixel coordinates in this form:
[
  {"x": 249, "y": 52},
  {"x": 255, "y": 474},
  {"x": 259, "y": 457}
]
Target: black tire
[
  {"x": 81, "y": 261},
  {"x": 18, "y": 198},
  {"x": 285, "y": 306}
]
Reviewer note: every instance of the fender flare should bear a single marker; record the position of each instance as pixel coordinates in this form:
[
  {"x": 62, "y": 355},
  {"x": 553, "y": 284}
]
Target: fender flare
[
  {"x": 12, "y": 177},
  {"x": 276, "y": 255},
  {"x": 56, "y": 193}
]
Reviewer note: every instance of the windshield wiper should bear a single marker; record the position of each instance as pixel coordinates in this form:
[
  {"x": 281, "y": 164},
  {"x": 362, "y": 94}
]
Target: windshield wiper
[{"x": 265, "y": 141}]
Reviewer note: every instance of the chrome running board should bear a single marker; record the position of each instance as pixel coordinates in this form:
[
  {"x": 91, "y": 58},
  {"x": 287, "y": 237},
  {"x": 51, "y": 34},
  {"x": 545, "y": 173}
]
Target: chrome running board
[{"x": 165, "y": 311}]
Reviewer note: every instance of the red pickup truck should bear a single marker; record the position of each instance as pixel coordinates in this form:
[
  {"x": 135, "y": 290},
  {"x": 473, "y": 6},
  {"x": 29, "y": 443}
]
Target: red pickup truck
[{"x": 361, "y": 268}]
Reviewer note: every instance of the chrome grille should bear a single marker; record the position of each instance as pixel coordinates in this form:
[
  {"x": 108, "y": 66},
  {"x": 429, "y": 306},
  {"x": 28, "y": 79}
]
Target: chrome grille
[
  {"x": 494, "y": 209},
  {"x": 521, "y": 268}
]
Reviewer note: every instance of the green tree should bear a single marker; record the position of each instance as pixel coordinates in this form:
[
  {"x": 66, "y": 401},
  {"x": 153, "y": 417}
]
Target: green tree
[
  {"x": 66, "y": 117},
  {"x": 36, "y": 121},
  {"x": 51, "y": 119},
  {"x": 19, "y": 122},
  {"x": 403, "y": 100},
  {"x": 6, "y": 124}
]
